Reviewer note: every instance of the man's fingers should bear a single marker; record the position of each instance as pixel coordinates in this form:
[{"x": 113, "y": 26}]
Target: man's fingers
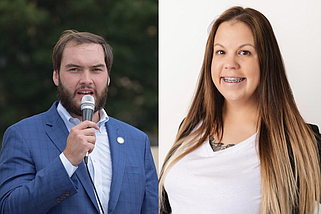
[
  {"x": 89, "y": 132},
  {"x": 81, "y": 140},
  {"x": 87, "y": 124}
]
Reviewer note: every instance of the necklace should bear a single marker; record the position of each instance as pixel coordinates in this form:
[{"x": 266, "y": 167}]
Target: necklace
[{"x": 218, "y": 146}]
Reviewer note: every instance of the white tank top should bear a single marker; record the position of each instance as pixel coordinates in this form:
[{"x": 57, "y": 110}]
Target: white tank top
[{"x": 222, "y": 182}]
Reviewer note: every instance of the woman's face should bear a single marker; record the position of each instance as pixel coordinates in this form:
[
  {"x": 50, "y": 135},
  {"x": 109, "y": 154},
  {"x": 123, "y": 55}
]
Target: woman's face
[{"x": 235, "y": 66}]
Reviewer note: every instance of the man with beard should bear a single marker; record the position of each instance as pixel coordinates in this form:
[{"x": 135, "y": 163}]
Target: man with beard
[{"x": 41, "y": 162}]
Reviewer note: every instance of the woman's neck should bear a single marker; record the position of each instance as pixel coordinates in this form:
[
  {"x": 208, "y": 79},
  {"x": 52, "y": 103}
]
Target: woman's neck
[
  {"x": 242, "y": 112},
  {"x": 239, "y": 121}
]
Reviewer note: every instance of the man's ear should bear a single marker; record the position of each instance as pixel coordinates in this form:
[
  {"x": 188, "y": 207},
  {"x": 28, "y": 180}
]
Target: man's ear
[{"x": 55, "y": 77}]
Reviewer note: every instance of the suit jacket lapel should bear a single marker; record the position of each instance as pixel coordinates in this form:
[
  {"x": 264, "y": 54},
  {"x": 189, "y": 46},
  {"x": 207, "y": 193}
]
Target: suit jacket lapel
[
  {"x": 118, "y": 157},
  {"x": 58, "y": 133},
  {"x": 55, "y": 128}
]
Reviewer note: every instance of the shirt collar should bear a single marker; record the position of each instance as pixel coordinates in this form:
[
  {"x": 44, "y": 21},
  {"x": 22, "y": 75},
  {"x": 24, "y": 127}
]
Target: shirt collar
[{"x": 71, "y": 122}]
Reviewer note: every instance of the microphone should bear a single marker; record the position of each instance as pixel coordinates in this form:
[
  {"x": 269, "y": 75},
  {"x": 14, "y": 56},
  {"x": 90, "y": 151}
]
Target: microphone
[{"x": 87, "y": 108}]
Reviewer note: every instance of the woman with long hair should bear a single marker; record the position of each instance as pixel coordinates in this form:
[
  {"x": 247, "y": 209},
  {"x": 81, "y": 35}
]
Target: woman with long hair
[{"x": 243, "y": 146}]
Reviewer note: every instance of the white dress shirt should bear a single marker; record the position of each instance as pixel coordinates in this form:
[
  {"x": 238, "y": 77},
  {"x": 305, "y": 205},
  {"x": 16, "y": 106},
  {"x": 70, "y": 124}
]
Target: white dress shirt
[{"x": 99, "y": 161}]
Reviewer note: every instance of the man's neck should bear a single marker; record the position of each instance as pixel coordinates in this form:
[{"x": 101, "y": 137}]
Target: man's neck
[{"x": 96, "y": 116}]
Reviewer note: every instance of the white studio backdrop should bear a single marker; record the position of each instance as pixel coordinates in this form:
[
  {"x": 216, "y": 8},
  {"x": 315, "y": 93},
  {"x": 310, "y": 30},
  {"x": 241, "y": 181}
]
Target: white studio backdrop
[{"x": 183, "y": 31}]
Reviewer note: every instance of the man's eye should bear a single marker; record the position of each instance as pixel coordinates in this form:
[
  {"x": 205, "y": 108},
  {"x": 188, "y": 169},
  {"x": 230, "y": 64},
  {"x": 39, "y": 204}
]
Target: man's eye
[
  {"x": 245, "y": 53},
  {"x": 73, "y": 69}
]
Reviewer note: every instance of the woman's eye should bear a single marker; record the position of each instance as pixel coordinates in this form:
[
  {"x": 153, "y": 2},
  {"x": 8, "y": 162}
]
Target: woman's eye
[
  {"x": 220, "y": 52},
  {"x": 245, "y": 53}
]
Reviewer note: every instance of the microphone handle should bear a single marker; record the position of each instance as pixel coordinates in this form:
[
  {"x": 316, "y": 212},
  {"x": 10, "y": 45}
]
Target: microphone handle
[{"x": 87, "y": 114}]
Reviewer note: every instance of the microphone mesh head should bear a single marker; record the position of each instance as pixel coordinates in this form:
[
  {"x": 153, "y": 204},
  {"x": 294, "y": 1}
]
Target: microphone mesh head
[{"x": 87, "y": 101}]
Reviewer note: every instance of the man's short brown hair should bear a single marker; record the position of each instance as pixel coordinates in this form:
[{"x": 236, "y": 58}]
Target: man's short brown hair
[{"x": 80, "y": 38}]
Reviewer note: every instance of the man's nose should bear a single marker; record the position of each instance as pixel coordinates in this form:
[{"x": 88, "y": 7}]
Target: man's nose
[{"x": 86, "y": 77}]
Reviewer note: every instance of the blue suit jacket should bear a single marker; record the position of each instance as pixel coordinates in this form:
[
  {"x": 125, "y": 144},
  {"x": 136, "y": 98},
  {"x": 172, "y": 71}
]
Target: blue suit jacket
[{"x": 34, "y": 180}]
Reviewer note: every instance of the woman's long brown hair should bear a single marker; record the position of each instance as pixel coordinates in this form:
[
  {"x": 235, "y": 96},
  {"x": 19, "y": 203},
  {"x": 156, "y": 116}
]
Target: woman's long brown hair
[{"x": 288, "y": 150}]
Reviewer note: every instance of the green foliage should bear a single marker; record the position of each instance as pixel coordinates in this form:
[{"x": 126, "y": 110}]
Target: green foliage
[{"x": 29, "y": 31}]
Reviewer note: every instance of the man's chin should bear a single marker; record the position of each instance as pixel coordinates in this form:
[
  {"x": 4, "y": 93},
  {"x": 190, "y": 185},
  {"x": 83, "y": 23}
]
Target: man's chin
[{"x": 72, "y": 106}]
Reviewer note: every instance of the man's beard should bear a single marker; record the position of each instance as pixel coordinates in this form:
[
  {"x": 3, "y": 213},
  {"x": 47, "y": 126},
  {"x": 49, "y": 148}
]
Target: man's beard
[{"x": 67, "y": 99}]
